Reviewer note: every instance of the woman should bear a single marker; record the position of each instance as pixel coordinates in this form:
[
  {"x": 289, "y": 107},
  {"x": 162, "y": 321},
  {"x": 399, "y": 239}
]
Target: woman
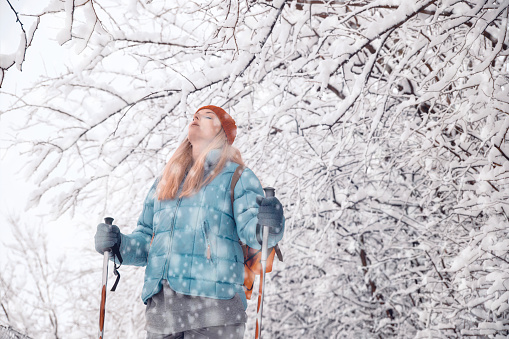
[{"x": 187, "y": 235}]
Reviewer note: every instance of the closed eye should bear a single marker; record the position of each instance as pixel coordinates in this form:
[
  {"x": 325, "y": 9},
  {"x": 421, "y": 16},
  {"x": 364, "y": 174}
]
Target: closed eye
[{"x": 205, "y": 117}]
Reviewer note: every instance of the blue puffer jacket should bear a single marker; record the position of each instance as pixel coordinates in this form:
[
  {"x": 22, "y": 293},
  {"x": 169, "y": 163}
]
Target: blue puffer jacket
[{"x": 172, "y": 236}]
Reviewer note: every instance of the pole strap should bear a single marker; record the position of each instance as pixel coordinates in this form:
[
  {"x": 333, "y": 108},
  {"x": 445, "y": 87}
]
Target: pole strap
[{"x": 116, "y": 253}]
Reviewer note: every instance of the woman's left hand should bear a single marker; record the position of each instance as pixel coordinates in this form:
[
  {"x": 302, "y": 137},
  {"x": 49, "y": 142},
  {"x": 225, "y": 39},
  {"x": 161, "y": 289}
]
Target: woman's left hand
[{"x": 270, "y": 213}]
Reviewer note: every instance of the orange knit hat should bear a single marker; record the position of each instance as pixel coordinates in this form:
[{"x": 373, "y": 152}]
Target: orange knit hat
[{"x": 227, "y": 121}]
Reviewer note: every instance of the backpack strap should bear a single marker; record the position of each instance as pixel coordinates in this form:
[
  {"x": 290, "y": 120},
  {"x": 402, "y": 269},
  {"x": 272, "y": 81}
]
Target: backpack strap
[
  {"x": 235, "y": 178},
  {"x": 278, "y": 253}
]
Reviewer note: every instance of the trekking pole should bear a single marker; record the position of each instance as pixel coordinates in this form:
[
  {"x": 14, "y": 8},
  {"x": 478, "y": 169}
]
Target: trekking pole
[
  {"x": 269, "y": 192},
  {"x": 108, "y": 221}
]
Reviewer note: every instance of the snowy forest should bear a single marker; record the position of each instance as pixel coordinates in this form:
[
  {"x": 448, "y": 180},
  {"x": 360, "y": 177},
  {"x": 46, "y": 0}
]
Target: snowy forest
[{"x": 383, "y": 126}]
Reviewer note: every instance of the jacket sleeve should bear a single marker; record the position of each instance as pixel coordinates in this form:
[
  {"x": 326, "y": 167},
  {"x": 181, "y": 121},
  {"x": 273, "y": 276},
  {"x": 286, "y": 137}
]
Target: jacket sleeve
[
  {"x": 134, "y": 247},
  {"x": 245, "y": 210}
]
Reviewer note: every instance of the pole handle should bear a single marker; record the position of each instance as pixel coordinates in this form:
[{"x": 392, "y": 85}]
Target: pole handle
[{"x": 269, "y": 192}]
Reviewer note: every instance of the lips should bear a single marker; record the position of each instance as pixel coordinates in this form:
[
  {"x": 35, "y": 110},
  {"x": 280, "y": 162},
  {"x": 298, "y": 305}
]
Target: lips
[{"x": 194, "y": 124}]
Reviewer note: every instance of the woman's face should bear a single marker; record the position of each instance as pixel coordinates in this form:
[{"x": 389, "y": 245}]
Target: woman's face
[{"x": 204, "y": 127}]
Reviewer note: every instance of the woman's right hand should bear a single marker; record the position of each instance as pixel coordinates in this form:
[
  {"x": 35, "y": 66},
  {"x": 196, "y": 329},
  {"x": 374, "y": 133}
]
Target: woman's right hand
[{"x": 106, "y": 237}]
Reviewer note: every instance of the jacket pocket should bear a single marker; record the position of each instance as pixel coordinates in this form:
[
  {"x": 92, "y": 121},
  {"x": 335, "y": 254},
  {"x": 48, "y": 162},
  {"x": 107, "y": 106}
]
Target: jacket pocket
[{"x": 205, "y": 230}]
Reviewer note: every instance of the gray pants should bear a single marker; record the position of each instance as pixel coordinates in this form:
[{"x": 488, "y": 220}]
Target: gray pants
[{"x": 235, "y": 331}]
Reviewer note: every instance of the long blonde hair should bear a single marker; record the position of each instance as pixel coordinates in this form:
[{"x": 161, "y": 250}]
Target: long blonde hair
[{"x": 182, "y": 160}]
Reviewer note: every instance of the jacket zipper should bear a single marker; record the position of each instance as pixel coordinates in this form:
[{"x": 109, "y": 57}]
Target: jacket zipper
[
  {"x": 171, "y": 237},
  {"x": 204, "y": 228}
]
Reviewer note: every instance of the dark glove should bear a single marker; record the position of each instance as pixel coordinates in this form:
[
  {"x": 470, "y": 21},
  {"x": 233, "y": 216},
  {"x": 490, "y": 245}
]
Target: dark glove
[
  {"x": 106, "y": 237},
  {"x": 270, "y": 213}
]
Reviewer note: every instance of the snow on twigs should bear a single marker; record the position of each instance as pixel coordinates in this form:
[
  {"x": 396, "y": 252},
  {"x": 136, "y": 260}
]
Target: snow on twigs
[{"x": 65, "y": 33}]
